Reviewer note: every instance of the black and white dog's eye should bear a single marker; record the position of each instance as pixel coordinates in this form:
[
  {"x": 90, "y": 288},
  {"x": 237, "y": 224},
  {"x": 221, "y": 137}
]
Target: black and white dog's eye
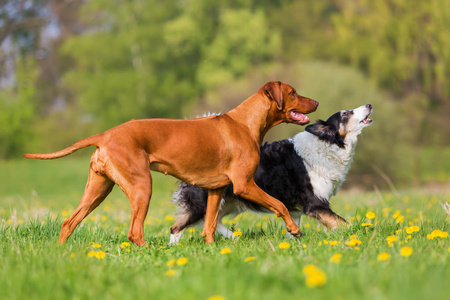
[{"x": 347, "y": 113}]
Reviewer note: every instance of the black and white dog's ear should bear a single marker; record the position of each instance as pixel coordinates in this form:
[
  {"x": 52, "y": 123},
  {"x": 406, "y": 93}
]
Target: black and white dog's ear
[{"x": 326, "y": 132}]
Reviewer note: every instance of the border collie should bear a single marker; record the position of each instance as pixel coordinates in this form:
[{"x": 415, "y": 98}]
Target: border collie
[{"x": 303, "y": 172}]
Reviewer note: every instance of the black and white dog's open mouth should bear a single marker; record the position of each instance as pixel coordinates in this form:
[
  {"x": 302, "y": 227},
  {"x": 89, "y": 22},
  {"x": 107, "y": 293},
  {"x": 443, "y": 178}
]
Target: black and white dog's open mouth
[{"x": 366, "y": 120}]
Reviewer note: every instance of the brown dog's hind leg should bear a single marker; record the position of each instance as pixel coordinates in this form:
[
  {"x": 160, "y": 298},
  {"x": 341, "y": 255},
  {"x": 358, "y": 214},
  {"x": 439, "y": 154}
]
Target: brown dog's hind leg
[
  {"x": 131, "y": 172},
  {"x": 97, "y": 188},
  {"x": 212, "y": 212},
  {"x": 139, "y": 195}
]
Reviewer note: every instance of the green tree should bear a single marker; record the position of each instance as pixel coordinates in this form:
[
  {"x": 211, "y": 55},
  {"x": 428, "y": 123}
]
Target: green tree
[
  {"x": 17, "y": 110},
  {"x": 243, "y": 41},
  {"x": 152, "y": 59}
]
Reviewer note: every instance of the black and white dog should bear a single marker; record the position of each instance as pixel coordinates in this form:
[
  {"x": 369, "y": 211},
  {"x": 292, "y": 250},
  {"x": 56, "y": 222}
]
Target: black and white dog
[{"x": 303, "y": 172}]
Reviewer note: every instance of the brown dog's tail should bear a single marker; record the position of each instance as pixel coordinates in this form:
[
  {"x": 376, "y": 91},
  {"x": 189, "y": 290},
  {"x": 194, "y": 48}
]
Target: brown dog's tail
[{"x": 90, "y": 141}]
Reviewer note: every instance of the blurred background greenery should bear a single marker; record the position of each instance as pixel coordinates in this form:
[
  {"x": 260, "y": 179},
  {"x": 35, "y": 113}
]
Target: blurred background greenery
[{"x": 69, "y": 69}]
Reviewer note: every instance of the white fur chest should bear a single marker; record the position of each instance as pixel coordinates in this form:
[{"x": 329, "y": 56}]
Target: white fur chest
[{"x": 326, "y": 163}]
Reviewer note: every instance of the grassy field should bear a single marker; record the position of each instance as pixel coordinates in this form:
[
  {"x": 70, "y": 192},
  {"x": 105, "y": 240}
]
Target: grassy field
[{"x": 399, "y": 256}]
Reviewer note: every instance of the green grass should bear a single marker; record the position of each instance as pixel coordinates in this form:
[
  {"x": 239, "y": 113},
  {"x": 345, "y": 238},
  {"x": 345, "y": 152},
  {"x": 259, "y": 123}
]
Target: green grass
[{"x": 35, "y": 196}]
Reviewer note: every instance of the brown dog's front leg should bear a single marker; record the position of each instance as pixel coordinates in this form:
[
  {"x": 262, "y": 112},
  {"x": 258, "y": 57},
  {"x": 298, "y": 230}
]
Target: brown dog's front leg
[
  {"x": 212, "y": 211},
  {"x": 252, "y": 192}
]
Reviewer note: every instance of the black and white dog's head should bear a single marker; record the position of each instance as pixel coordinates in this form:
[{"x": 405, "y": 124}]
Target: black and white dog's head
[{"x": 343, "y": 127}]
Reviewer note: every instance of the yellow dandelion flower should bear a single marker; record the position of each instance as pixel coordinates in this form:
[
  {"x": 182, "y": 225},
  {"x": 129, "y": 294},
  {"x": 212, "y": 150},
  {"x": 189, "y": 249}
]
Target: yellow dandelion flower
[
  {"x": 406, "y": 251},
  {"x": 124, "y": 245},
  {"x": 237, "y": 233},
  {"x": 370, "y": 215},
  {"x": 437, "y": 233},
  {"x": 334, "y": 243},
  {"x": 100, "y": 255},
  {"x": 171, "y": 262},
  {"x": 366, "y": 224},
  {"x": 191, "y": 230},
  {"x": 103, "y": 218},
  {"x": 383, "y": 256},
  {"x": 284, "y": 245},
  {"x": 353, "y": 242},
  {"x": 309, "y": 269},
  {"x": 91, "y": 254},
  {"x": 448, "y": 249},
  {"x": 386, "y": 211},
  {"x": 325, "y": 242},
  {"x": 182, "y": 261},
  {"x": 225, "y": 251},
  {"x": 391, "y": 238},
  {"x": 400, "y": 219},
  {"x": 304, "y": 246},
  {"x": 216, "y": 297},
  {"x": 336, "y": 258},
  {"x": 170, "y": 273},
  {"x": 96, "y": 245},
  {"x": 72, "y": 255},
  {"x": 356, "y": 248},
  {"x": 415, "y": 228},
  {"x": 319, "y": 244},
  {"x": 347, "y": 207},
  {"x": 409, "y": 230},
  {"x": 169, "y": 218},
  {"x": 283, "y": 231},
  {"x": 396, "y": 214},
  {"x": 353, "y": 236},
  {"x": 250, "y": 258},
  {"x": 315, "y": 277},
  {"x": 408, "y": 237},
  {"x": 307, "y": 225}
]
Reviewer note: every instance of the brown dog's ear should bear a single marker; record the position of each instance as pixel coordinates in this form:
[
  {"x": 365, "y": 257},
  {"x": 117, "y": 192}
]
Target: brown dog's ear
[{"x": 273, "y": 91}]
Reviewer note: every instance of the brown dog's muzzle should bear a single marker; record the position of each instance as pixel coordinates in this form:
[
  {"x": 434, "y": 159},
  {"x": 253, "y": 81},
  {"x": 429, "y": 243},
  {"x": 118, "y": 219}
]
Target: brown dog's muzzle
[{"x": 304, "y": 106}]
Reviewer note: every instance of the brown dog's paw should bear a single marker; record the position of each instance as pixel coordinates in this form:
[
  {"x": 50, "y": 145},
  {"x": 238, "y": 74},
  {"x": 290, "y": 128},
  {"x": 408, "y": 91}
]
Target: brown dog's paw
[{"x": 296, "y": 234}]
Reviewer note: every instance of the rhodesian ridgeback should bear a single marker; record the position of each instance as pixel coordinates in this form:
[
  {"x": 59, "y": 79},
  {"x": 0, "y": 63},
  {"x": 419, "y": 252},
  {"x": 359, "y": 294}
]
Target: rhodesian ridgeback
[{"x": 209, "y": 152}]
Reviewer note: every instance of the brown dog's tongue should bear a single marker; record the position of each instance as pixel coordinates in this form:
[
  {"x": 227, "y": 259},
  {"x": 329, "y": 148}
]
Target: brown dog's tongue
[{"x": 301, "y": 118}]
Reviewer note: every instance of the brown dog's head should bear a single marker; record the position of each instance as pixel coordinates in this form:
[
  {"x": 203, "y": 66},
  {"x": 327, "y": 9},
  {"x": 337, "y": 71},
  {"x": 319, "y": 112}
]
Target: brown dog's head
[{"x": 292, "y": 106}]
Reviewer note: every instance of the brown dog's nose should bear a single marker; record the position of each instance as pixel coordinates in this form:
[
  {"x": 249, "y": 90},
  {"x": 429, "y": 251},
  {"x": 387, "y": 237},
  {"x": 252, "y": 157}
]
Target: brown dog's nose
[{"x": 315, "y": 103}]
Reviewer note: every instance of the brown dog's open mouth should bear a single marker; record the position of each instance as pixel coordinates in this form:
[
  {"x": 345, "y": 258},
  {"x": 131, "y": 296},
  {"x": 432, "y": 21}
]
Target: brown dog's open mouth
[{"x": 298, "y": 117}]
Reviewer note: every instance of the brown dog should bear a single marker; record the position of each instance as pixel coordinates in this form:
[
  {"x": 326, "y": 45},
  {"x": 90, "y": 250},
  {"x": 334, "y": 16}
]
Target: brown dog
[{"x": 208, "y": 152}]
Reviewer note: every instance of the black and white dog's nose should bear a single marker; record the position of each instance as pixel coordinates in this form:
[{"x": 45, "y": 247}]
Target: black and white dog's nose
[{"x": 369, "y": 106}]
